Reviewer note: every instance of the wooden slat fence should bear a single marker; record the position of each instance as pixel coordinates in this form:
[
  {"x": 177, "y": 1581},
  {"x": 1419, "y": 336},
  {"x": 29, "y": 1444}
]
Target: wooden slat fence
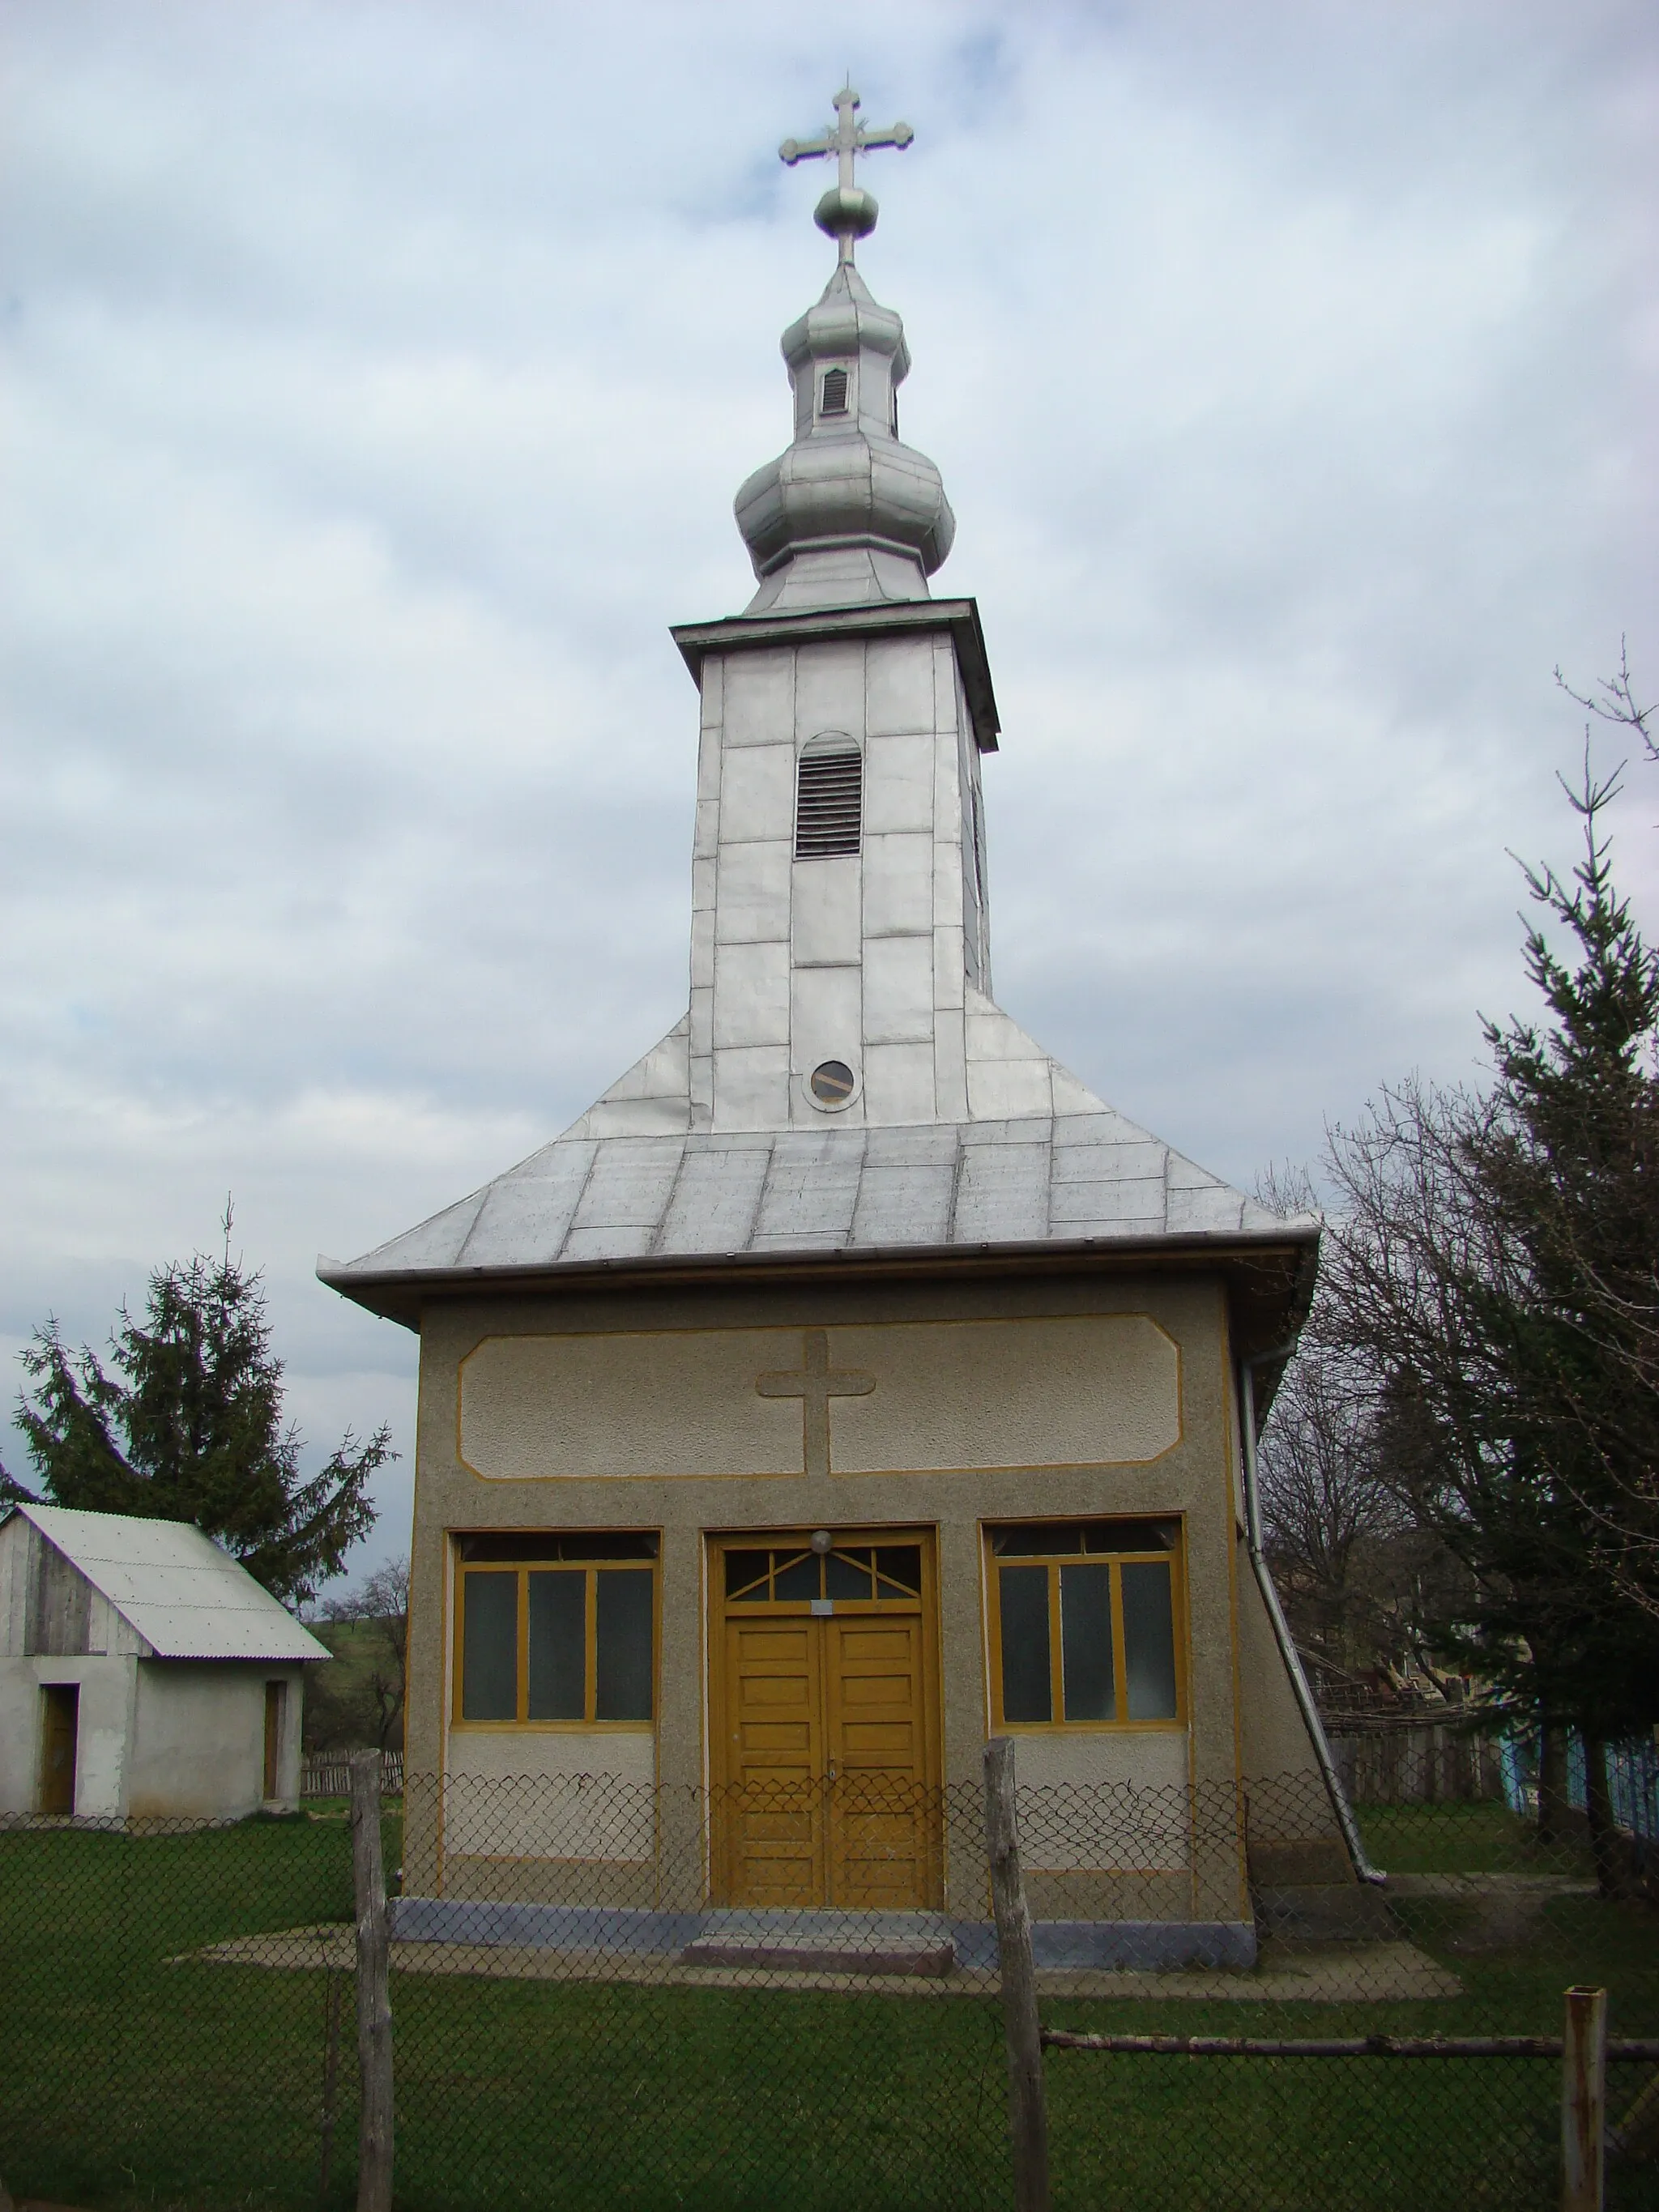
[
  {"x": 1427, "y": 1763},
  {"x": 328, "y": 1774}
]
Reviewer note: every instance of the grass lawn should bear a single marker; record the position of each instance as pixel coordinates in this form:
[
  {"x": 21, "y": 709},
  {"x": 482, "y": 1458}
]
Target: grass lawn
[
  {"x": 1478, "y": 1838},
  {"x": 1313, "y": 2135},
  {"x": 128, "y": 2081}
]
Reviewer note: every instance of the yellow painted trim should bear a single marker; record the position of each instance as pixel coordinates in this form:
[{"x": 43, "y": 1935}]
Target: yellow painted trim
[
  {"x": 447, "y": 1651},
  {"x": 1233, "y": 1469},
  {"x": 1181, "y": 1722},
  {"x": 795, "y": 1328},
  {"x": 837, "y": 1474},
  {"x": 923, "y": 1608},
  {"x": 537, "y": 1859},
  {"x": 1086, "y": 1728},
  {"x": 555, "y": 1728},
  {"x": 523, "y": 1569}
]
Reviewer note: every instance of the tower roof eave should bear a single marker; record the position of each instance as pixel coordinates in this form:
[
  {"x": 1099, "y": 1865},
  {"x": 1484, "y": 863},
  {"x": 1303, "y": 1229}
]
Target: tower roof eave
[{"x": 739, "y": 633}]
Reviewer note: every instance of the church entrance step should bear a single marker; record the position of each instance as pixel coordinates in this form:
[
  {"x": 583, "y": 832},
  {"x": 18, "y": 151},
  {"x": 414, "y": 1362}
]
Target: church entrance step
[{"x": 826, "y": 1942}]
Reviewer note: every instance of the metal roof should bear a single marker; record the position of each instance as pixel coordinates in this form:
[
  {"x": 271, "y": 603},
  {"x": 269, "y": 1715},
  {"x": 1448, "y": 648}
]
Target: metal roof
[
  {"x": 634, "y": 1181},
  {"x": 185, "y": 1595}
]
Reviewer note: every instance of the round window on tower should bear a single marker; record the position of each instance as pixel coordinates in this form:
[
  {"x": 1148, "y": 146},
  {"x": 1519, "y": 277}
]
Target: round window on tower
[{"x": 832, "y": 1084}]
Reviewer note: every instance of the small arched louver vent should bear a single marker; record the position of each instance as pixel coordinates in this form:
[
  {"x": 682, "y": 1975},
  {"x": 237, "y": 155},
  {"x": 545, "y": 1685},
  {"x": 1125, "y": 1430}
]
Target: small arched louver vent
[
  {"x": 834, "y": 392},
  {"x": 828, "y": 800}
]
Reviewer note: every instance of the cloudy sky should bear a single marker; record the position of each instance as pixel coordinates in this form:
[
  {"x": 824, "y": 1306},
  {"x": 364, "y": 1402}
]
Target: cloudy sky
[{"x": 377, "y": 379}]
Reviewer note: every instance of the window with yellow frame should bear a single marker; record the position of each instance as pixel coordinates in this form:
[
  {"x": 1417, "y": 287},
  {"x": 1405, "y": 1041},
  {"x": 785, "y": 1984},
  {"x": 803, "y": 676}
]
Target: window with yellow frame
[
  {"x": 554, "y": 1628},
  {"x": 1085, "y": 1624}
]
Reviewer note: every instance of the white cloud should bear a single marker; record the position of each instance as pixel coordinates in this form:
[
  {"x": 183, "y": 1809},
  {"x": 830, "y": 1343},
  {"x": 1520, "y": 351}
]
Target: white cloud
[{"x": 376, "y": 381}]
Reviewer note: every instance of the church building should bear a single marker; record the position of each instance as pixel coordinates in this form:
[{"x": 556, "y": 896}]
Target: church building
[{"x": 850, "y": 1383}]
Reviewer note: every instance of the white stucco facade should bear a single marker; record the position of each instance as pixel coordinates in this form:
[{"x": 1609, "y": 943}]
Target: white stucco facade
[{"x": 164, "y": 1727}]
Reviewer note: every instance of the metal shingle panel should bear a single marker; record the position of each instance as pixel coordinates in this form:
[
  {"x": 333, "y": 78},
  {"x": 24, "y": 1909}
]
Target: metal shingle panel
[
  {"x": 622, "y": 1240},
  {"x": 1110, "y": 1162},
  {"x": 1213, "y": 1208},
  {"x": 433, "y": 1243},
  {"x": 1104, "y": 1209},
  {"x": 716, "y": 1197},
  {"x": 908, "y": 1205},
  {"x": 629, "y": 1187},
  {"x": 811, "y": 1191},
  {"x": 1002, "y": 1194},
  {"x": 530, "y": 1211}
]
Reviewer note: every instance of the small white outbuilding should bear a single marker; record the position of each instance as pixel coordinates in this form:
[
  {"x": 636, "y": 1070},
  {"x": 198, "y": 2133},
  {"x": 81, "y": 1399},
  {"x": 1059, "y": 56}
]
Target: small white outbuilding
[{"x": 144, "y": 1674}]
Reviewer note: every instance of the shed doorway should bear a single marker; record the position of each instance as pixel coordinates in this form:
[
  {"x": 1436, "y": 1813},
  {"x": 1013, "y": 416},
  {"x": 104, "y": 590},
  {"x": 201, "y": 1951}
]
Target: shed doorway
[
  {"x": 276, "y": 1697},
  {"x": 824, "y": 1713},
  {"x": 60, "y": 1727}
]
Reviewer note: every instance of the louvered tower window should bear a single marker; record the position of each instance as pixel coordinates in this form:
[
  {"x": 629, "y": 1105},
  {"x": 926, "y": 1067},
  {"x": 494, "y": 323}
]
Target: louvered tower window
[
  {"x": 834, "y": 391},
  {"x": 829, "y": 798}
]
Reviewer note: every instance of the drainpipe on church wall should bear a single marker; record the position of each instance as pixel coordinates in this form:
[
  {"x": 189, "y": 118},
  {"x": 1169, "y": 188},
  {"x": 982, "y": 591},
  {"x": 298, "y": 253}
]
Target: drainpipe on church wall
[{"x": 1287, "y": 1651}]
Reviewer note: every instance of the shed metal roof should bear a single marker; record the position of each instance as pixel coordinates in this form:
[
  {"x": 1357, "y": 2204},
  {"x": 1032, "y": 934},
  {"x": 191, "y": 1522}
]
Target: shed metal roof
[{"x": 183, "y": 1594}]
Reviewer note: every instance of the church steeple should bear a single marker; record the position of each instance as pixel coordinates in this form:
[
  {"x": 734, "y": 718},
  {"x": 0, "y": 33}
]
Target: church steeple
[{"x": 847, "y": 515}]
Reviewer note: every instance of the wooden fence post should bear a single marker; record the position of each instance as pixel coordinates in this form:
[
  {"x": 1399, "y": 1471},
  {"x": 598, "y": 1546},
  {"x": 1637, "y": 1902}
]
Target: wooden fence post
[
  {"x": 1583, "y": 2100},
  {"x": 373, "y": 1990},
  {"x": 1028, "y": 2109}
]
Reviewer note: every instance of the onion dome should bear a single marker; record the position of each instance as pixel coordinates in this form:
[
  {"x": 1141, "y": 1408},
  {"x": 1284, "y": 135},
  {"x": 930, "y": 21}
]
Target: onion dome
[{"x": 847, "y": 515}]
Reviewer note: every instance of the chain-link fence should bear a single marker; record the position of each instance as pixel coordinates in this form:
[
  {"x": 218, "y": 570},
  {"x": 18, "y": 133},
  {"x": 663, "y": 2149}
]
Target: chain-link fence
[
  {"x": 604, "y": 1992},
  {"x": 170, "y": 1998}
]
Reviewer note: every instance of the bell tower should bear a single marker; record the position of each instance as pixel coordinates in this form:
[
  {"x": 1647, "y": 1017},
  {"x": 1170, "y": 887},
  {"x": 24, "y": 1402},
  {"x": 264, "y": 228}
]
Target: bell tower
[{"x": 839, "y": 914}]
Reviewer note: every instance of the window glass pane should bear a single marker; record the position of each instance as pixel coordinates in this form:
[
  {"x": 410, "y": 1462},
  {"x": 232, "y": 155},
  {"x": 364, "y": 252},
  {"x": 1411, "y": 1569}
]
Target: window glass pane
[
  {"x": 558, "y": 1646},
  {"x": 798, "y": 1581},
  {"x": 1130, "y": 1536},
  {"x": 1085, "y": 1642},
  {"x": 548, "y": 1545},
  {"x": 622, "y": 1636},
  {"x": 1036, "y": 1539},
  {"x": 1149, "y": 1640},
  {"x": 847, "y": 1574},
  {"x": 498, "y": 1548},
  {"x": 744, "y": 1570},
  {"x": 900, "y": 1564},
  {"x": 606, "y": 1546},
  {"x": 489, "y": 1648},
  {"x": 1023, "y": 1594}
]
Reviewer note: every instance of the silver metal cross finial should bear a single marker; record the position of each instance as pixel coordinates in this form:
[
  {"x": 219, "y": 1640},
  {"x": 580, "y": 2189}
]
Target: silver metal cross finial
[{"x": 845, "y": 211}]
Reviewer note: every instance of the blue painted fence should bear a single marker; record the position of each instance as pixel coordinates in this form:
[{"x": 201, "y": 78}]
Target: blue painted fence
[{"x": 1632, "y": 1779}]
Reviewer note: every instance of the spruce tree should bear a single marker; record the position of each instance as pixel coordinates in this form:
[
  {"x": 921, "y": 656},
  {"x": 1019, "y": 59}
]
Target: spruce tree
[
  {"x": 185, "y": 1424},
  {"x": 1495, "y": 1269}
]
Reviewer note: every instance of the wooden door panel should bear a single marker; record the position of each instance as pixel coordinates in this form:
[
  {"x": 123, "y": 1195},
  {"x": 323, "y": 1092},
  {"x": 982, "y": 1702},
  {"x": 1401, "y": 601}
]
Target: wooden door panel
[
  {"x": 775, "y": 1743},
  {"x": 883, "y": 1742},
  {"x": 770, "y": 1813},
  {"x": 862, "y": 1639},
  {"x": 882, "y": 1809}
]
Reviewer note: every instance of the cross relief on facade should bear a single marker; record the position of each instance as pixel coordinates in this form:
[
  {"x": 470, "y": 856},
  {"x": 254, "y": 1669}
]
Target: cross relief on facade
[{"x": 815, "y": 1384}]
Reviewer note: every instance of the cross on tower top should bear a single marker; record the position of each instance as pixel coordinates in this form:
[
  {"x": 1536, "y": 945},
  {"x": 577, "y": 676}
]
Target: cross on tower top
[{"x": 846, "y": 211}]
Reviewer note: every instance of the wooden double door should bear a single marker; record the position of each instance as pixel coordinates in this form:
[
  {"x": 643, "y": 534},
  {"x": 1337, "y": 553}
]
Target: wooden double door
[{"x": 825, "y": 1706}]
